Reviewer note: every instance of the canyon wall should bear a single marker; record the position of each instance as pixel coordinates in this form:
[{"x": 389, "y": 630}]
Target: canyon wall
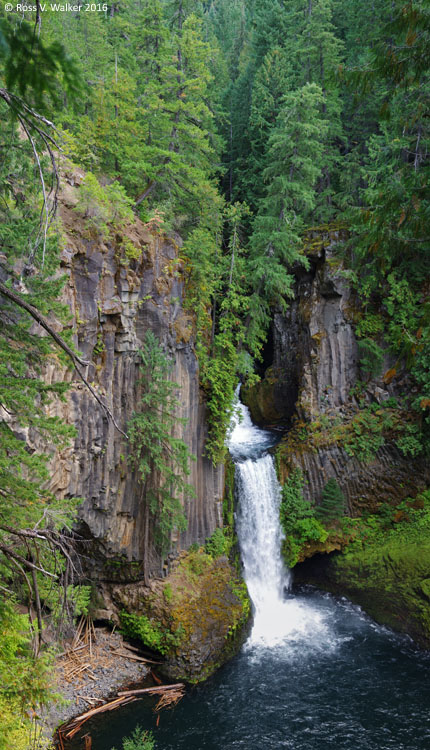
[
  {"x": 311, "y": 388},
  {"x": 117, "y": 289}
]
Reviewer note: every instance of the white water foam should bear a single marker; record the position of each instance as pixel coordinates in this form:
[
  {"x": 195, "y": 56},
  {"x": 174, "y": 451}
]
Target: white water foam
[{"x": 278, "y": 618}]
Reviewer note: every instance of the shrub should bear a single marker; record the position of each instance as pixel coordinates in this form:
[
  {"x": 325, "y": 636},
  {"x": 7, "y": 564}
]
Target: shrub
[
  {"x": 298, "y": 519},
  {"x": 151, "y": 633},
  {"x": 94, "y": 204},
  {"x": 138, "y": 740},
  {"x": 217, "y": 544},
  {"x": 294, "y": 507},
  {"x": 103, "y": 206}
]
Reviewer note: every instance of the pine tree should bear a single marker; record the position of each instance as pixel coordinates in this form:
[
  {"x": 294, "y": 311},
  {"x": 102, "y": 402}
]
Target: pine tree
[
  {"x": 272, "y": 81},
  {"x": 320, "y": 52},
  {"x": 332, "y": 505},
  {"x": 294, "y": 163},
  {"x": 162, "y": 460}
]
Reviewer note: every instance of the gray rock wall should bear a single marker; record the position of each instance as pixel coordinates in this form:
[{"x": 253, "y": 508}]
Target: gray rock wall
[
  {"x": 312, "y": 378},
  {"x": 113, "y": 304}
]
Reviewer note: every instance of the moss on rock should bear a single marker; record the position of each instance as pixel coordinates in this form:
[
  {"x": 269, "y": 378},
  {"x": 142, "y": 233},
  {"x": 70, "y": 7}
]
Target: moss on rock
[
  {"x": 200, "y": 611},
  {"x": 261, "y": 400},
  {"x": 387, "y": 573}
]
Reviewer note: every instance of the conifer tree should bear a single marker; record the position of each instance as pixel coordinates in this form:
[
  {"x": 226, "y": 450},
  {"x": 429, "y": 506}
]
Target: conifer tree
[
  {"x": 272, "y": 81},
  {"x": 332, "y": 505},
  {"x": 320, "y": 52},
  {"x": 161, "y": 459},
  {"x": 294, "y": 163}
]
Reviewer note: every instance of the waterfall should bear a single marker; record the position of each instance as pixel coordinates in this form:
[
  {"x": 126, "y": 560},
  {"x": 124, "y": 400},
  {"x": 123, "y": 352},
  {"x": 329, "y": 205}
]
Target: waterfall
[
  {"x": 260, "y": 537},
  {"x": 278, "y": 618}
]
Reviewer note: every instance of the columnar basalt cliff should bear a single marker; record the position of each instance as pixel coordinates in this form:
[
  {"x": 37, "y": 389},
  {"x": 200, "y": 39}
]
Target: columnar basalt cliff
[
  {"x": 311, "y": 388},
  {"x": 114, "y": 300}
]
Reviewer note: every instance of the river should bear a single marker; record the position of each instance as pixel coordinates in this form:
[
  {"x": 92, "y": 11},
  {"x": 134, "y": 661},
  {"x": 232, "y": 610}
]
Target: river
[{"x": 315, "y": 673}]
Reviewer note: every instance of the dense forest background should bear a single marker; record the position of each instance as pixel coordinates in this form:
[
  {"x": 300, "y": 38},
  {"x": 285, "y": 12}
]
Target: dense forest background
[{"x": 241, "y": 125}]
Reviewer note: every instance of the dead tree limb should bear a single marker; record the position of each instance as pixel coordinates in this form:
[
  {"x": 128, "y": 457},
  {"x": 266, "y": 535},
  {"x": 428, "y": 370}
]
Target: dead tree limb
[
  {"x": 10, "y": 294},
  {"x": 76, "y": 359},
  {"x": 25, "y": 563}
]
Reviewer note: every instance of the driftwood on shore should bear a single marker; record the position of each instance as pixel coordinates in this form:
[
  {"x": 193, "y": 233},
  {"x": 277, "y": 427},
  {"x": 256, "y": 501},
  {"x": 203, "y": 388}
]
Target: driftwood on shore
[
  {"x": 132, "y": 656},
  {"x": 169, "y": 695},
  {"x": 155, "y": 689}
]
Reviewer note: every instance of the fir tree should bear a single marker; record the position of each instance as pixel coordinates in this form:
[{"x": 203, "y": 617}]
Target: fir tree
[
  {"x": 294, "y": 163},
  {"x": 332, "y": 505},
  {"x": 161, "y": 459}
]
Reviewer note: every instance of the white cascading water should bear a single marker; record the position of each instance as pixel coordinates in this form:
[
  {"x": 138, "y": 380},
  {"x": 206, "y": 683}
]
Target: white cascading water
[{"x": 278, "y": 618}]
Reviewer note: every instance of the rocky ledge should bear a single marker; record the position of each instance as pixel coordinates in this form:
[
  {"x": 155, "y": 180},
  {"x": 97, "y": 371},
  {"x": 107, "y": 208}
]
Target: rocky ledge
[{"x": 197, "y": 617}]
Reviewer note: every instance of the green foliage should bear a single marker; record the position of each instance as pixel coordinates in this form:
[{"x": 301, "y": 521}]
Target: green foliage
[
  {"x": 390, "y": 244},
  {"x": 332, "y": 506},
  {"x": 80, "y": 596},
  {"x": 31, "y": 519},
  {"x": 371, "y": 324},
  {"x": 410, "y": 443},
  {"x": 218, "y": 544},
  {"x": 293, "y": 506},
  {"x": 218, "y": 277},
  {"x": 32, "y": 68},
  {"x": 196, "y": 563},
  {"x": 295, "y": 148},
  {"x": 298, "y": 519},
  {"x": 138, "y": 740},
  {"x": 160, "y": 457},
  {"x": 371, "y": 357},
  {"x": 365, "y": 433},
  {"x": 406, "y": 523},
  {"x": 103, "y": 207},
  {"x": 151, "y": 633},
  {"x": 385, "y": 566},
  {"x": 24, "y": 679}
]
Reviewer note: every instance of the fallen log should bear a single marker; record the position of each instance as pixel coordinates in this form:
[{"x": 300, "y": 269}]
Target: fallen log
[
  {"x": 156, "y": 689},
  {"x": 127, "y": 696},
  {"x": 134, "y": 657},
  {"x": 70, "y": 651},
  {"x": 75, "y": 725}
]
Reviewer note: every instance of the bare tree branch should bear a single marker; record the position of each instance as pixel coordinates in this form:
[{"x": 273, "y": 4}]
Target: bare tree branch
[
  {"x": 25, "y": 563},
  {"x": 43, "y": 322}
]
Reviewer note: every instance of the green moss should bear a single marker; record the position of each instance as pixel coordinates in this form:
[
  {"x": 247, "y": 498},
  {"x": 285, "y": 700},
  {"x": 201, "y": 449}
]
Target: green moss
[
  {"x": 195, "y": 617},
  {"x": 151, "y": 633},
  {"x": 386, "y": 568},
  {"x": 391, "y": 583}
]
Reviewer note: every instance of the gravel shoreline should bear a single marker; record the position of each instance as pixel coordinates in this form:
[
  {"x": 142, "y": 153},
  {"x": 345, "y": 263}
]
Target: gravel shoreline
[{"x": 91, "y": 675}]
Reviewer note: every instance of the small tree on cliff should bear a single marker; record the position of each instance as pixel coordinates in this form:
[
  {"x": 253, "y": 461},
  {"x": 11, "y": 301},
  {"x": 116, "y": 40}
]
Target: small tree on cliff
[
  {"x": 161, "y": 459},
  {"x": 332, "y": 504}
]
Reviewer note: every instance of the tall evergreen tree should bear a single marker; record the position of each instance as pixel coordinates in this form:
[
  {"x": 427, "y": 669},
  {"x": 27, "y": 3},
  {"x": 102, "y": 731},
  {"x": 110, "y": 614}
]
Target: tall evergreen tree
[{"x": 294, "y": 163}]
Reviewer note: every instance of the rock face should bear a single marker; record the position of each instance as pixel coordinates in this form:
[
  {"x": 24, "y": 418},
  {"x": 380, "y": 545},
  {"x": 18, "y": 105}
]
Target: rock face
[
  {"x": 200, "y": 611},
  {"x": 117, "y": 289},
  {"x": 311, "y": 387}
]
